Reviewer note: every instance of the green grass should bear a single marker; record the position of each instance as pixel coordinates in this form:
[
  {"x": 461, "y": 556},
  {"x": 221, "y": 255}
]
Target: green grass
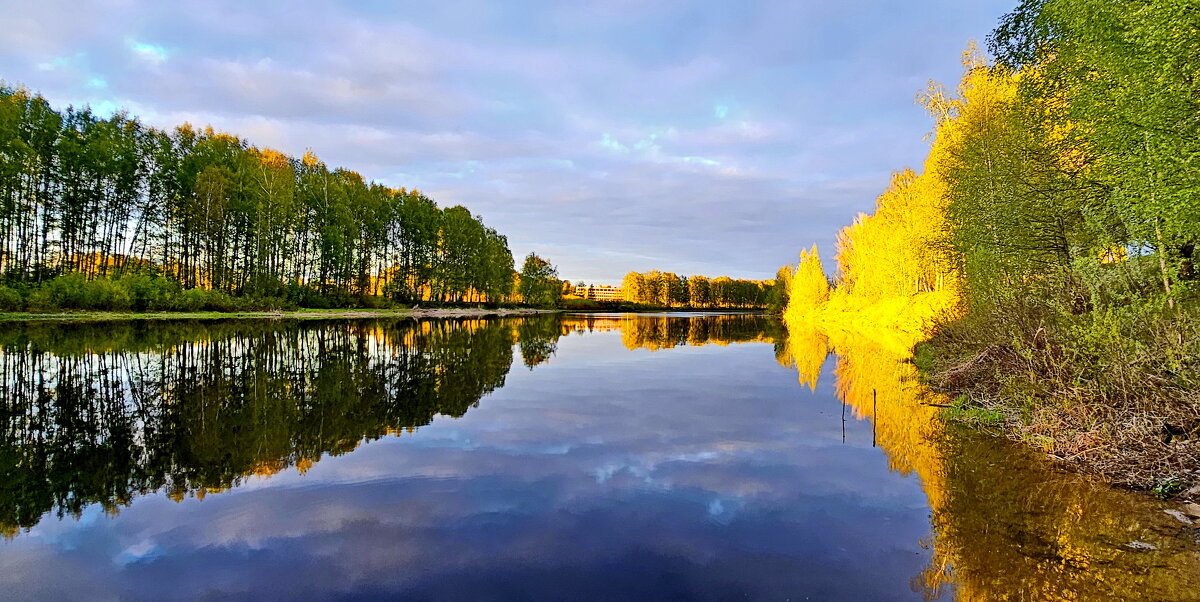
[
  {"x": 923, "y": 358},
  {"x": 963, "y": 412}
]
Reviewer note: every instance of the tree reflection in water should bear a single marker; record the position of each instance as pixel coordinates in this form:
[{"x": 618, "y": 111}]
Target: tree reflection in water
[
  {"x": 98, "y": 413},
  {"x": 102, "y": 413},
  {"x": 1006, "y": 523}
]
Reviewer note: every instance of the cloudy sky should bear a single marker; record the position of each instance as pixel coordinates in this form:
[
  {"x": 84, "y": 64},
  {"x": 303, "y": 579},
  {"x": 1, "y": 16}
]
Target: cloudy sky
[{"x": 614, "y": 135}]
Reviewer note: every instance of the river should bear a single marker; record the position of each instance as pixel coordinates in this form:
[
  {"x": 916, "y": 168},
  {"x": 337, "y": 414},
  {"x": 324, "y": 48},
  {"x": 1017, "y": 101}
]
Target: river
[{"x": 671, "y": 456}]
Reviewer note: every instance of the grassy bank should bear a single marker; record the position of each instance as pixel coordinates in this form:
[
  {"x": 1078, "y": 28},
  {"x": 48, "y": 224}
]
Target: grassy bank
[{"x": 1114, "y": 392}]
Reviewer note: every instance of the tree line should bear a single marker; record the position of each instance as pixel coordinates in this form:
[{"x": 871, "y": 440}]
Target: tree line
[
  {"x": 198, "y": 209},
  {"x": 670, "y": 290}
]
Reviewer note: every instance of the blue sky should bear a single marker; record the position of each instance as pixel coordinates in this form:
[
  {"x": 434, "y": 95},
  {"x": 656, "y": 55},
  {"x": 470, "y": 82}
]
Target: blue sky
[{"x": 609, "y": 136}]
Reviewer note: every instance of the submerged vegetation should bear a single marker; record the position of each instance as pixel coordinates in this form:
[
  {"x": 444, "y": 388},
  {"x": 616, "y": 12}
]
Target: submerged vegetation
[{"x": 1046, "y": 248}]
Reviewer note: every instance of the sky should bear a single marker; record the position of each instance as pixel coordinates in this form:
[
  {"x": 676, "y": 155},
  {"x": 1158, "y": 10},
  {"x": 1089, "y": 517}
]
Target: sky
[{"x": 714, "y": 138}]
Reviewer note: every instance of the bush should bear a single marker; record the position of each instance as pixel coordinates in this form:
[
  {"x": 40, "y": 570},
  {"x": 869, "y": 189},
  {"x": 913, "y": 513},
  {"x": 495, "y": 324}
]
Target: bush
[
  {"x": 264, "y": 287},
  {"x": 1119, "y": 283},
  {"x": 66, "y": 291},
  {"x": 301, "y": 295},
  {"x": 10, "y": 300},
  {"x": 261, "y": 303},
  {"x": 40, "y": 300},
  {"x": 197, "y": 299},
  {"x": 105, "y": 294},
  {"x": 1114, "y": 389},
  {"x": 74, "y": 291},
  {"x": 149, "y": 292},
  {"x": 375, "y": 302}
]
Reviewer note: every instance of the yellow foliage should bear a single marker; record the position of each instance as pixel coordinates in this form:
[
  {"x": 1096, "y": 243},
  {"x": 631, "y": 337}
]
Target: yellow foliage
[
  {"x": 271, "y": 158},
  {"x": 804, "y": 349},
  {"x": 310, "y": 159},
  {"x": 983, "y": 494},
  {"x": 893, "y": 270},
  {"x": 808, "y": 289}
]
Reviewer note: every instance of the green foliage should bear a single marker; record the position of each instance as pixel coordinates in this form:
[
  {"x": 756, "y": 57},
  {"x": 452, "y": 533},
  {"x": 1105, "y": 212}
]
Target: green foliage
[
  {"x": 148, "y": 292},
  {"x": 779, "y": 293},
  {"x": 197, "y": 299},
  {"x": 302, "y": 295},
  {"x": 200, "y": 209},
  {"x": 1118, "y": 283},
  {"x": 74, "y": 291},
  {"x": 375, "y": 302},
  {"x": 962, "y": 411},
  {"x": 1124, "y": 71},
  {"x": 1071, "y": 193},
  {"x": 923, "y": 357},
  {"x": 1168, "y": 487},
  {"x": 68, "y": 292},
  {"x": 539, "y": 284},
  {"x": 10, "y": 299}
]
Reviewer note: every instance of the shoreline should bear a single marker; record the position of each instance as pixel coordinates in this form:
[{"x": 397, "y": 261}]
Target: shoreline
[
  {"x": 1125, "y": 445},
  {"x": 304, "y": 314}
]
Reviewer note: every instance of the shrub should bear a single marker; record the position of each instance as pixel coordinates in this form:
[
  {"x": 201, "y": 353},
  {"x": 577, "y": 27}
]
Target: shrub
[
  {"x": 40, "y": 300},
  {"x": 301, "y": 295},
  {"x": 1118, "y": 283},
  {"x": 375, "y": 302},
  {"x": 149, "y": 292},
  {"x": 197, "y": 299},
  {"x": 66, "y": 291},
  {"x": 74, "y": 291},
  {"x": 10, "y": 299},
  {"x": 105, "y": 294}
]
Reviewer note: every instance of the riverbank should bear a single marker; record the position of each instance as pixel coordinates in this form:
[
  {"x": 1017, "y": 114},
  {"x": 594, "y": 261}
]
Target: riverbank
[
  {"x": 302, "y": 314},
  {"x": 1108, "y": 394}
]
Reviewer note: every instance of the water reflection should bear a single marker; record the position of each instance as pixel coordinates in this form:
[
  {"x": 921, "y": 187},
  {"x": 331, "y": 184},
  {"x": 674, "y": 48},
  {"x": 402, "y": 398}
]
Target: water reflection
[
  {"x": 1006, "y": 523},
  {"x": 100, "y": 413},
  {"x": 613, "y": 470}
]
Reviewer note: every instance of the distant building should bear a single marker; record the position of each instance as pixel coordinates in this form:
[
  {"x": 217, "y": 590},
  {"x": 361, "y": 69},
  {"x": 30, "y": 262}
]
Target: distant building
[{"x": 600, "y": 292}]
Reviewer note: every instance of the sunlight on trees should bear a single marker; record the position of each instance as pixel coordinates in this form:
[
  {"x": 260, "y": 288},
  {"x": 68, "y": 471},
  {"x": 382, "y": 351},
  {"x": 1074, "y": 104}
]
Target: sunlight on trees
[
  {"x": 110, "y": 198},
  {"x": 666, "y": 289},
  {"x": 538, "y": 283}
]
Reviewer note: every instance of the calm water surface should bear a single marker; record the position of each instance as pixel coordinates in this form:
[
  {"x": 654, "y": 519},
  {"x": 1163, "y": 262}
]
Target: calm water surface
[{"x": 556, "y": 457}]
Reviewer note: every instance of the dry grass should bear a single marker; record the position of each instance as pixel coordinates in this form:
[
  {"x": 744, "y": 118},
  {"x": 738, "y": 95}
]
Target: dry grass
[{"x": 1111, "y": 393}]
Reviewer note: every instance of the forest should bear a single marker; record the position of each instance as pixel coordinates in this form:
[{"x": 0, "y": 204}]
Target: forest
[
  {"x": 666, "y": 289},
  {"x": 109, "y": 213},
  {"x": 1046, "y": 248}
]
